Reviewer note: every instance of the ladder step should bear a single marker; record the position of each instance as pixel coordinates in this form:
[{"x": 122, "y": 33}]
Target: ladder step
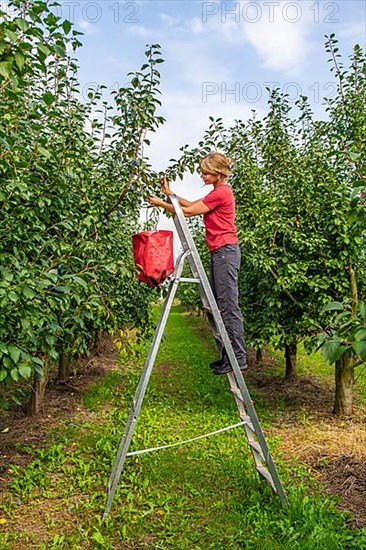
[
  {"x": 248, "y": 423},
  {"x": 189, "y": 280},
  {"x": 237, "y": 393},
  {"x": 267, "y": 476},
  {"x": 255, "y": 445}
]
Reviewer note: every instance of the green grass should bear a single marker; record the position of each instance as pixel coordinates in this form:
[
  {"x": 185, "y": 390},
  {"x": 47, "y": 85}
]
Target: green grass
[{"x": 204, "y": 495}]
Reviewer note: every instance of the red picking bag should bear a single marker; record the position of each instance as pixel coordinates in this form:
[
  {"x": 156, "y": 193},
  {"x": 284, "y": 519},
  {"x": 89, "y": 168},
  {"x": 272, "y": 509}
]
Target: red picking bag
[{"x": 153, "y": 255}]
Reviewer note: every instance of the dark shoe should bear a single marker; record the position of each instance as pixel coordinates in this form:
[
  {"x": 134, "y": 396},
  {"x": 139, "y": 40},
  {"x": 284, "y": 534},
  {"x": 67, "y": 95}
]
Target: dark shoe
[
  {"x": 217, "y": 363},
  {"x": 225, "y": 368}
]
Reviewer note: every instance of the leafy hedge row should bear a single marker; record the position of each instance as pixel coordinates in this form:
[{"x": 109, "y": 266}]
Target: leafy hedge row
[
  {"x": 72, "y": 175},
  {"x": 300, "y": 193}
]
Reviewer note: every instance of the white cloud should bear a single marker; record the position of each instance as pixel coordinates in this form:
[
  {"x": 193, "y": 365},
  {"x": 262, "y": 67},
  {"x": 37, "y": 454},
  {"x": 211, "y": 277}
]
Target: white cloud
[
  {"x": 169, "y": 20},
  {"x": 87, "y": 28},
  {"x": 355, "y": 32},
  {"x": 140, "y": 30},
  {"x": 196, "y": 25},
  {"x": 195, "y": 62},
  {"x": 281, "y": 46},
  {"x": 187, "y": 119},
  {"x": 277, "y": 31}
]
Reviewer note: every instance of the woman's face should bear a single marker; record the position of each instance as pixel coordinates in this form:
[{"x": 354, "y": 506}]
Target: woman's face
[{"x": 209, "y": 179}]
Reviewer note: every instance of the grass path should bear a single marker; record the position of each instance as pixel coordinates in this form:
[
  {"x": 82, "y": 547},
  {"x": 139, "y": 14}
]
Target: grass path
[{"x": 205, "y": 495}]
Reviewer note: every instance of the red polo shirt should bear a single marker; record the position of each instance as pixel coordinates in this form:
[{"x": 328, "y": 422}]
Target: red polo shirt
[{"x": 220, "y": 221}]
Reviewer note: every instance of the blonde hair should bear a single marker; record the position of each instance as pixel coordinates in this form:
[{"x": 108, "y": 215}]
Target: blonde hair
[{"x": 216, "y": 164}]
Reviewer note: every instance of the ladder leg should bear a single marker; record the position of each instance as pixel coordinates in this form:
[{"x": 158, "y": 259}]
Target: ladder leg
[
  {"x": 257, "y": 442},
  {"x": 253, "y": 428},
  {"x": 141, "y": 390}
]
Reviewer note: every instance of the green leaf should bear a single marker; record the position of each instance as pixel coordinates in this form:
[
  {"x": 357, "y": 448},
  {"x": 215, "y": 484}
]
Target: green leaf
[
  {"x": 13, "y": 296},
  {"x": 52, "y": 275},
  {"x": 66, "y": 25},
  {"x": 19, "y": 59},
  {"x": 25, "y": 371},
  {"x": 22, "y": 24},
  {"x": 28, "y": 292},
  {"x": 98, "y": 537},
  {"x": 360, "y": 349},
  {"x": 11, "y": 35},
  {"x": 362, "y": 310},
  {"x": 39, "y": 370},
  {"x": 333, "y": 306},
  {"x": 360, "y": 335},
  {"x": 14, "y": 373},
  {"x": 8, "y": 363},
  {"x": 16, "y": 400},
  {"x": 7, "y": 274},
  {"x": 48, "y": 98},
  {"x": 44, "y": 152},
  {"x": 333, "y": 350},
  {"x": 50, "y": 339},
  {"x": 59, "y": 49},
  {"x": 80, "y": 281},
  {"x": 3, "y": 374},
  {"x": 354, "y": 156},
  {"x": 6, "y": 69},
  {"x": 44, "y": 49},
  {"x": 14, "y": 353}
]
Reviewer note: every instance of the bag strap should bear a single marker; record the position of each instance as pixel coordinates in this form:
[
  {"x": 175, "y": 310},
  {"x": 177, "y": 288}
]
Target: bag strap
[{"x": 152, "y": 218}]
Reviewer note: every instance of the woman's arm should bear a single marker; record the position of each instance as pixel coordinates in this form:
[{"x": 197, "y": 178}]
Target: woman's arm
[
  {"x": 193, "y": 209},
  {"x": 155, "y": 201},
  {"x": 165, "y": 185}
]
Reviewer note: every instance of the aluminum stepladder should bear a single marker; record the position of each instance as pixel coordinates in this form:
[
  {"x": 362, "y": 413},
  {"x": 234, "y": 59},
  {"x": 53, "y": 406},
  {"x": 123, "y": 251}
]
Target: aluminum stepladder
[{"x": 256, "y": 440}]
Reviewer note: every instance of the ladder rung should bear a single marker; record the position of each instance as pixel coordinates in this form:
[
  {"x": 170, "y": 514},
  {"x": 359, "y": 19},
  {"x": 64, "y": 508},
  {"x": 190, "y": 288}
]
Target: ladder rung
[
  {"x": 237, "y": 393},
  {"x": 248, "y": 424},
  {"x": 248, "y": 421},
  {"x": 266, "y": 474},
  {"x": 189, "y": 280},
  {"x": 255, "y": 445}
]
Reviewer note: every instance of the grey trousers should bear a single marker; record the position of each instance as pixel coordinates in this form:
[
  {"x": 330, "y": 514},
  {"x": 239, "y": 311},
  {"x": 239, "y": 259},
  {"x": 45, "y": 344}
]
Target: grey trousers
[{"x": 225, "y": 265}]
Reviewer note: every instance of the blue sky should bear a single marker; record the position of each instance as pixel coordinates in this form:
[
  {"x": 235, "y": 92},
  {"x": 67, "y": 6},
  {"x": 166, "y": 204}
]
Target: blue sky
[{"x": 219, "y": 56}]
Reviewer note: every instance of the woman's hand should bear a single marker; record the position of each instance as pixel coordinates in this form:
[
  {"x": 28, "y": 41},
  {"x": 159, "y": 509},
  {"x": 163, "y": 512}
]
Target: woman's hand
[
  {"x": 155, "y": 201},
  {"x": 165, "y": 185}
]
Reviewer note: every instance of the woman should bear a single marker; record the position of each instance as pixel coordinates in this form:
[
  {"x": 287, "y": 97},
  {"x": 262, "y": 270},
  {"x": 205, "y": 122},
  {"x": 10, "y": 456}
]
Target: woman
[{"x": 218, "y": 209}]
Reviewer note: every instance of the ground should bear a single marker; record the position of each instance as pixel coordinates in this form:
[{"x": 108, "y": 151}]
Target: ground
[{"x": 333, "y": 449}]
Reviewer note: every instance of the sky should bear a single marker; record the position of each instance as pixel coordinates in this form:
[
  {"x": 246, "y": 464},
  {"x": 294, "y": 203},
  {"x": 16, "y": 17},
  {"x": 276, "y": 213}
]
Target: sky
[{"x": 219, "y": 58}]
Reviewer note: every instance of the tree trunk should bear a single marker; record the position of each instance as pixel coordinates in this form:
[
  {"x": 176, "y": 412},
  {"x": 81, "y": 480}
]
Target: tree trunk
[
  {"x": 344, "y": 380},
  {"x": 63, "y": 367},
  {"x": 96, "y": 342},
  {"x": 35, "y": 402},
  {"x": 290, "y": 359},
  {"x": 259, "y": 356}
]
